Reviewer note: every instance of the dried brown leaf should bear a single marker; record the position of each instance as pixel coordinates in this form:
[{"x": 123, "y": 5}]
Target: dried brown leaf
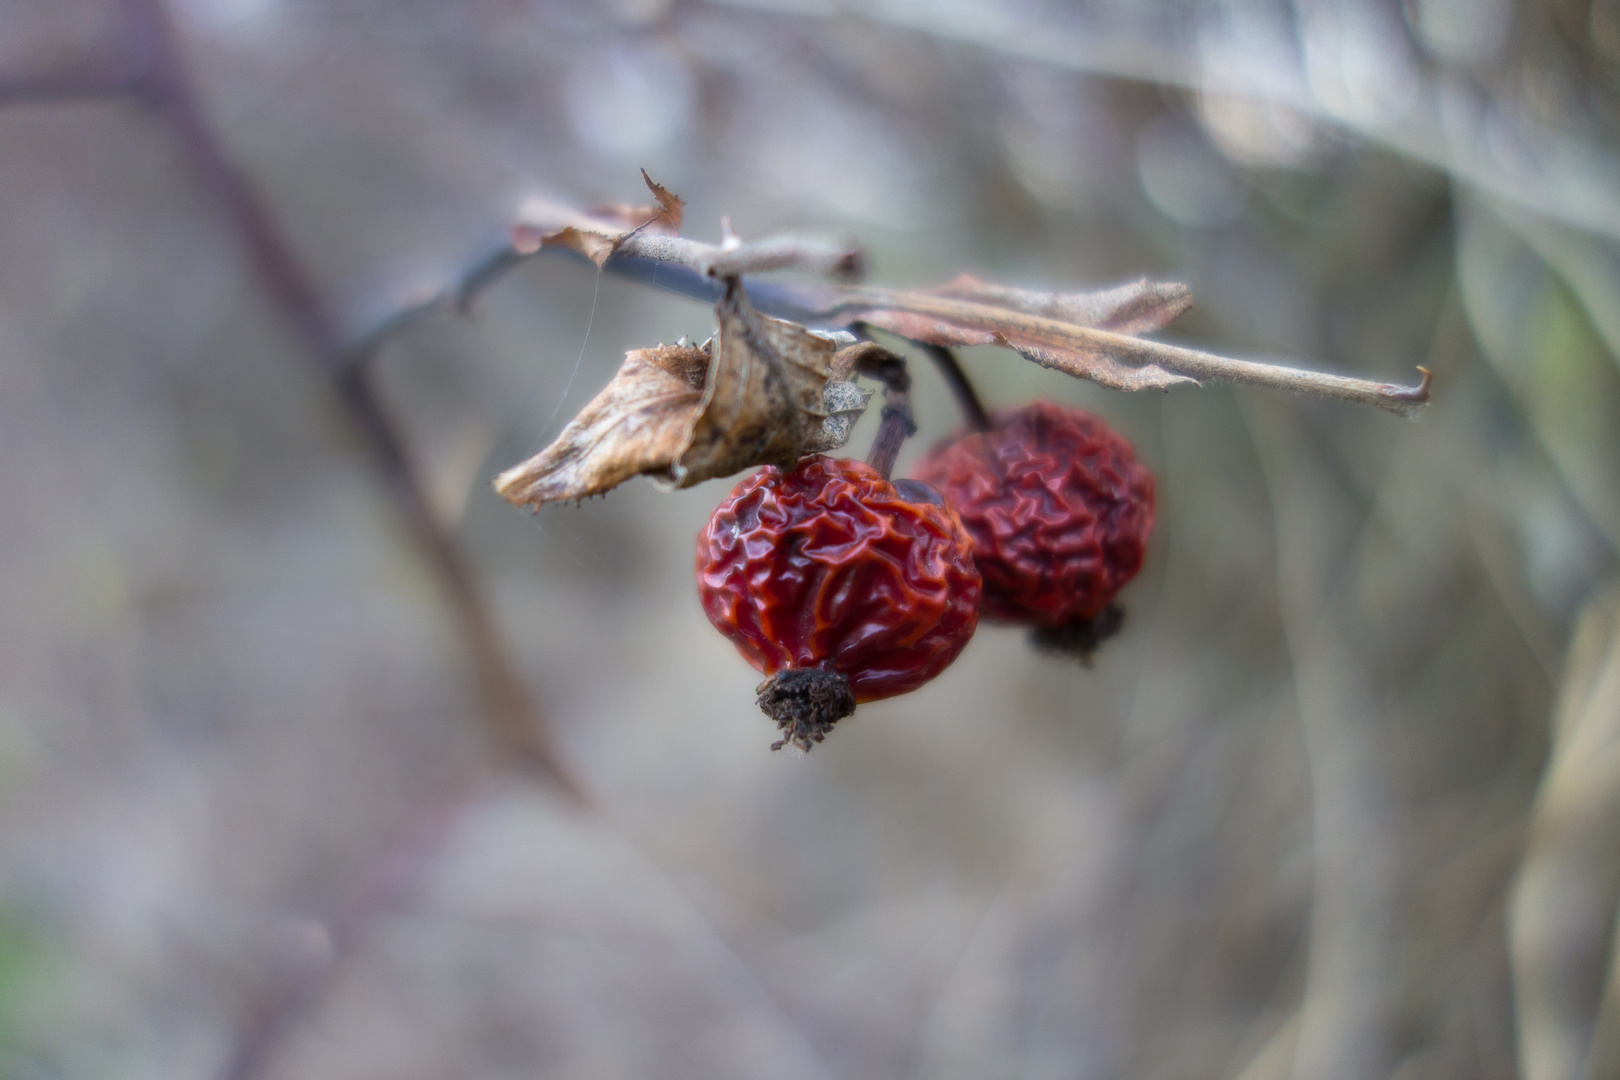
[
  {"x": 845, "y": 403},
  {"x": 1040, "y": 326},
  {"x": 669, "y": 204},
  {"x": 1106, "y": 354},
  {"x": 763, "y": 399},
  {"x": 915, "y": 327},
  {"x": 758, "y": 394},
  {"x": 1101, "y": 368},
  {"x": 596, "y": 233},
  {"x": 1139, "y": 307},
  {"x": 637, "y": 425}
]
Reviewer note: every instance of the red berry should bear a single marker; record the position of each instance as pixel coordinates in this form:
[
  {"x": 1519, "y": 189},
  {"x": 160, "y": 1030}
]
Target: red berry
[
  {"x": 1059, "y": 510},
  {"x": 837, "y": 585}
]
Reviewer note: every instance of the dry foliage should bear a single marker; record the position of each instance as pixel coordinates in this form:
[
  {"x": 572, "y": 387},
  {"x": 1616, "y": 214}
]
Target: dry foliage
[
  {"x": 599, "y": 232},
  {"x": 754, "y": 395},
  {"x": 989, "y": 315},
  {"x": 762, "y": 392}
]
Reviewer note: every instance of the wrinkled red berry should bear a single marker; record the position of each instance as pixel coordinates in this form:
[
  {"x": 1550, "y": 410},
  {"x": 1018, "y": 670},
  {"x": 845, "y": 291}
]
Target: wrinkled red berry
[
  {"x": 837, "y": 585},
  {"x": 1059, "y": 510}
]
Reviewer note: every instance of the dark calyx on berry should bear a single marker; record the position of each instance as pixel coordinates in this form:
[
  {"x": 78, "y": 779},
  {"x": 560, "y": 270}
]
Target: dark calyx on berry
[
  {"x": 1059, "y": 510},
  {"x": 828, "y": 573},
  {"x": 1081, "y": 637},
  {"x": 805, "y": 703}
]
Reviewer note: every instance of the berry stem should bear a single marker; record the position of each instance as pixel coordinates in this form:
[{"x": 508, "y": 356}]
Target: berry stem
[
  {"x": 966, "y": 397},
  {"x": 892, "y": 432},
  {"x": 889, "y": 368}
]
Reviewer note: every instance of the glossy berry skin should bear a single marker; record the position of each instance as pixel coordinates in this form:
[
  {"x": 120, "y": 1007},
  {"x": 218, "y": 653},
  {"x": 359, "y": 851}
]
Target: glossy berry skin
[
  {"x": 828, "y": 566},
  {"x": 1058, "y": 507}
]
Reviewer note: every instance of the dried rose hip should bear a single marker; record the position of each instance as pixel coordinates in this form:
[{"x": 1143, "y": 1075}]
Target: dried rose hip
[
  {"x": 1059, "y": 510},
  {"x": 839, "y": 585}
]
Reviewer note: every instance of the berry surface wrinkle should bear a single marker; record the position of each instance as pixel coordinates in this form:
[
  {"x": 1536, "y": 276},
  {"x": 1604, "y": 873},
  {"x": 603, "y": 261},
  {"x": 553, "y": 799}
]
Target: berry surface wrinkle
[
  {"x": 828, "y": 566},
  {"x": 1058, "y": 507}
]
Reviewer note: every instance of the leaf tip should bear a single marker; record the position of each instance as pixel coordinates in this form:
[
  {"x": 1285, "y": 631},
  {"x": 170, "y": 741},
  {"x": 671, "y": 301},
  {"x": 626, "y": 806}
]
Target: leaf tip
[
  {"x": 670, "y": 204},
  {"x": 516, "y": 486}
]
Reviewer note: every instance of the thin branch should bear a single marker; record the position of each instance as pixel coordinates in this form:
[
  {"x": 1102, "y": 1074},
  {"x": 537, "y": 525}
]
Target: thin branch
[
  {"x": 382, "y": 883},
  {"x": 967, "y": 398},
  {"x": 685, "y": 266},
  {"x": 515, "y": 728},
  {"x": 653, "y": 232},
  {"x": 689, "y": 267},
  {"x": 788, "y": 251},
  {"x": 147, "y": 62},
  {"x": 151, "y": 51},
  {"x": 122, "y": 66},
  {"x": 458, "y": 296},
  {"x": 88, "y": 84},
  {"x": 1345, "y": 1020},
  {"x": 1561, "y": 916}
]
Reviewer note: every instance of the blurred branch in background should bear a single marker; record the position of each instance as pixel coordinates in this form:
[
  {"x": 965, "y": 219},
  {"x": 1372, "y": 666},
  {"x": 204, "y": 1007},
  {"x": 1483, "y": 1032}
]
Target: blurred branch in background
[
  {"x": 1536, "y": 340},
  {"x": 688, "y": 267},
  {"x": 518, "y": 732},
  {"x": 1088, "y": 335},
  {"x": 1351, "y": 69},
  {"x": 1345, "y": 1023},
  {"x": 146, "y": 61},
  {"x": 91, "y": 84},
  {"x": 1566, "y": 899},
  {"x": 384, "y": 883}
]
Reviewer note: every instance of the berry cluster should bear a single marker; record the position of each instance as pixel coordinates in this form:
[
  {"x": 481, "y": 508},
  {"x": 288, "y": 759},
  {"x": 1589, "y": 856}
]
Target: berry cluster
[{"x": 843, "y": 587}]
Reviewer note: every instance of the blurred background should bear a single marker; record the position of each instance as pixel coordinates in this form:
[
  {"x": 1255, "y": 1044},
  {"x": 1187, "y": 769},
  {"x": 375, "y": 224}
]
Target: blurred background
[{"x": 1343, "y": 800}]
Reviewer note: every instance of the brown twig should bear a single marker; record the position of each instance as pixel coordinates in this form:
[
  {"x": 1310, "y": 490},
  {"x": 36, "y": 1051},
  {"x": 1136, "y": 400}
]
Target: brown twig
[
  {"x": 961, "y": 386},
  {"x": 91, "y": 83},
  {"x": 458, "y": 296},
  {"x": 734, "y": 258},
  {"x": 694, "y": 268},
  {"x": 689, "y": 266},
  {"x": 1561, "y": 918},
  {"x": 163, "y": 80},
  {"x": 1345, "y": 1019},
  {"x": 697, "y": 266},
  {"x": 383, "y": 883},
  {"x": 148, "y": 63}
]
